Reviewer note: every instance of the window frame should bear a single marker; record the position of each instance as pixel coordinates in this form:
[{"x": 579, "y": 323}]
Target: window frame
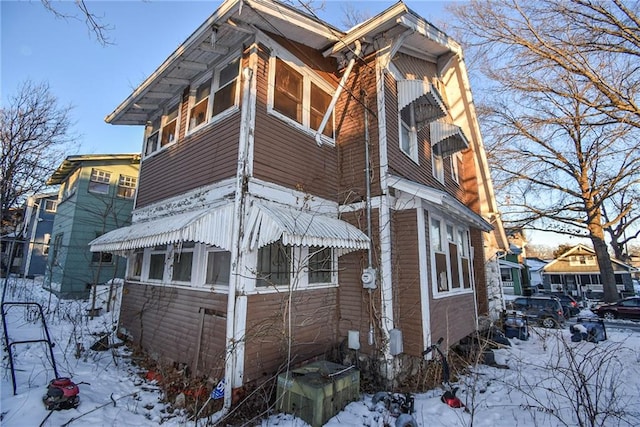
[
  {"x": 308, "y": 78},
  {"x": 127, "y": 182},
  {"x": 224, "y": 285},
  {"x": 437, "y": 165},
  {"x": 446, "y": 253},
  {"x": 213, "y": 77},
  {"x": 50, "y": 205},
  {"x": 456, "y": 165},
  {"x": 157, "y": 125},
  {"x": 411, "y": 132},
  {"x": 101, "y": 180}
]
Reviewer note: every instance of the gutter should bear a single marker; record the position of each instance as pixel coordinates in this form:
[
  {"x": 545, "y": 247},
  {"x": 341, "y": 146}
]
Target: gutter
[{"x": 336, "y": 95}]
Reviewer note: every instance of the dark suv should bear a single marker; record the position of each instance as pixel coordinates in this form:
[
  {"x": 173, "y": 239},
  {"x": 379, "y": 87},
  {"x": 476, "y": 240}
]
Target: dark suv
[
  {"x": 569, "y": 303},
  {"x": 545, "y": 310}
]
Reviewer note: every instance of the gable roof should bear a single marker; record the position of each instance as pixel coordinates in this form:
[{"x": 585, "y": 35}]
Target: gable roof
[
  {"x": 582, "y": 249},
  {"x": 71, "y": 163}
]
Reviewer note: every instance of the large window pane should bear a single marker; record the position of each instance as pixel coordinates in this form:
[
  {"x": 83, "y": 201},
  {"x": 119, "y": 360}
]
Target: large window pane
[
  {"x": 287, "y": 98},
  {"x": 218, "y": 267},
  {"x": 320, "y": 265},
  {"x": 182, "y": 266},
  {"x": 274, "y": 265},
  {"x": 320, "y": 101},
  {"x": 156, "y": 266},
  {"x": 199, "y": 111}
]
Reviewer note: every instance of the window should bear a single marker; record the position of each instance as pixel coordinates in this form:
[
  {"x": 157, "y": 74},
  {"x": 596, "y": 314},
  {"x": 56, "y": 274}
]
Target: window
[
  {"x": 157, "y": 262},
  {"x": 217, "y": 94},
  {"x": 440, "y": 255},
  {"x": 218, "y": 267},
  {"x": 170, "y": 126},
  {"x": 320, "y": 101},
  {"x": 582, "y": 260},
  {"x": 452, "y": 261},
  {"x": 101, "y": 257},
  {"x": 153, "y": 134},
  {"x": 298, "y": 95},
  {"x": 274, "y": 265},
  {"x": 127, "y": 186},
  {"x": 45, "y": 243},
  {"x": 438, "y": 165},
  {"x": 225, "y": 96},
  {"x": 50, "y": 205},
  {"x": 505, "y": 274},
  {"x": 198, "y": 113},
  {"x": 320, "y": 265},
  {"x": 409, "y": 133},
  {"x": 456, "y": 166},
  {"x": 99, "y": 181},
  {"x": 182, "y": 262},
  {"x": 135, "y": 266}
]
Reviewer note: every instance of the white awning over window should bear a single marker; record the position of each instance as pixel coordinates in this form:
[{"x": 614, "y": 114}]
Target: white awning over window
[
  {"x": 266, "y": 223},
  {"x": 210, "y": 226},
  {"x": 427, "y": 102},
  {"x": 447, "y": 138},
  {"x": 269, "y": 223}
]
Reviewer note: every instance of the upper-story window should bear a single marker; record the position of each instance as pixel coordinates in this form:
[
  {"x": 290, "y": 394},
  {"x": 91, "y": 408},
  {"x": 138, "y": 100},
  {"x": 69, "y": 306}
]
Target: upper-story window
[
  {"x": 127, "y": 186},
  {"x": 163, "y": 130},
  {"x": 214, "y": 95},
  {"x": 437, "y": 162},
  {"x": 409, "y": 133},
  {"x": 299, "y": 97},
  {"x": 50, "y": 205},
  {"x": 99, "y": 181},
  {"x": 456, "y": 166}
]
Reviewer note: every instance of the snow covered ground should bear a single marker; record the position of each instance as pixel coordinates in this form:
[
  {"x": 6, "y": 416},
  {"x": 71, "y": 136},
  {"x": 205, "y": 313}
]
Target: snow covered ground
[{"x": 534, "y": 383}]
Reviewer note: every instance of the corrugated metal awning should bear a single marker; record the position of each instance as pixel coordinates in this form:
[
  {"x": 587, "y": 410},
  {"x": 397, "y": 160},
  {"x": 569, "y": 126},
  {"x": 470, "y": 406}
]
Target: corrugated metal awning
[
  {"x": 427, "y": 102},
  {"x": 266, "y": 223},
  {"x": 445, "y": 202},
  {"x": 447, "y": 138},
  {"x": 210, "y": 226}
]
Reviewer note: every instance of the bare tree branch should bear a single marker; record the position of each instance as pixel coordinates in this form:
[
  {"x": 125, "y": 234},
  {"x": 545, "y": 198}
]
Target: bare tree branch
[{"x": 94, "y": 23}]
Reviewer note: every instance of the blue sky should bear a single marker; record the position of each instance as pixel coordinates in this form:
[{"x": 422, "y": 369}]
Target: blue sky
[{"x": 94, "y": 79}]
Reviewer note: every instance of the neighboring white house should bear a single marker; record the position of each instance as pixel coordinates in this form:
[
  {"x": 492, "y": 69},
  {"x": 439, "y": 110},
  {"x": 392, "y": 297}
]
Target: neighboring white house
[{"x": 535, "y": 266}]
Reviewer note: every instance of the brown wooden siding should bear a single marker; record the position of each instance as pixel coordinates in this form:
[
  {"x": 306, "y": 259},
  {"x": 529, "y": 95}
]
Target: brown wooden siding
[
  {"x": 313, "y": 322},
  {"x": 350, "y": 119},
  {"x": 165, "y": 321},
  {"x": 284, "y": 154},
  {"x": 479, "y": 271},
  {"x": 452, "y": 318},
  {"x": 406, "y": 280},
  {"x": 200, "y": 159},
  {"x": 358, "y": 308}
]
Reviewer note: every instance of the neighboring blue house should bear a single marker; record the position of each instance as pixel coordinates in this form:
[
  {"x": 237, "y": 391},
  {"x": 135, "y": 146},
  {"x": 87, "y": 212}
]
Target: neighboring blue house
[
  {"x": 96, "y": 196},
  {"x": 39, "y": 213}
]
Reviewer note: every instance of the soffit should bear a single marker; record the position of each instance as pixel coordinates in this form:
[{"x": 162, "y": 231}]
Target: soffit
[{"x": 233, "y": 24}]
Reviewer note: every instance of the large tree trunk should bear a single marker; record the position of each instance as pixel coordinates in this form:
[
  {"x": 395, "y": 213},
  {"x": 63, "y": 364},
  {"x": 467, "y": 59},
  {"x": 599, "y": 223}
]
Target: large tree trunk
[{"x": 604, "y": 263}]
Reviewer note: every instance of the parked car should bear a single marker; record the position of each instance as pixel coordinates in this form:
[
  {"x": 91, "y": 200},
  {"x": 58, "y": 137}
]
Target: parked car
[
  {"x": 627, "y": 308},
  {"x": 544, "y": 310},
  {"x": 569, "y": 304}
]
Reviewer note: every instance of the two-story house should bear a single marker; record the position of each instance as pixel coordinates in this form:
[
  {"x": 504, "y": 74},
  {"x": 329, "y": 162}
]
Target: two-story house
[
  {"x": 96, "y": 196},
  {"x": 304, "y": 190}
]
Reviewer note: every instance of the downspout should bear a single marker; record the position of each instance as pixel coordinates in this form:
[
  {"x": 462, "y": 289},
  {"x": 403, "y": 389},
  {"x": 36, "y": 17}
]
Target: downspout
[
  {"x": 336, "y": 95},
  {"x": 238, "y": 217}
]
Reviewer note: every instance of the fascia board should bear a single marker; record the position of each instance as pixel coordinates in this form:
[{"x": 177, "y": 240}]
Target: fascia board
[
  {"x": 219, "y": 15},
  {"x": 365, "y": 29}
]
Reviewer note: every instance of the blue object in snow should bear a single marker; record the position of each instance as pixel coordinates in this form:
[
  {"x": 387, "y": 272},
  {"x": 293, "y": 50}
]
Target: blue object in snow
[{"x": 218, "y": 392}]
